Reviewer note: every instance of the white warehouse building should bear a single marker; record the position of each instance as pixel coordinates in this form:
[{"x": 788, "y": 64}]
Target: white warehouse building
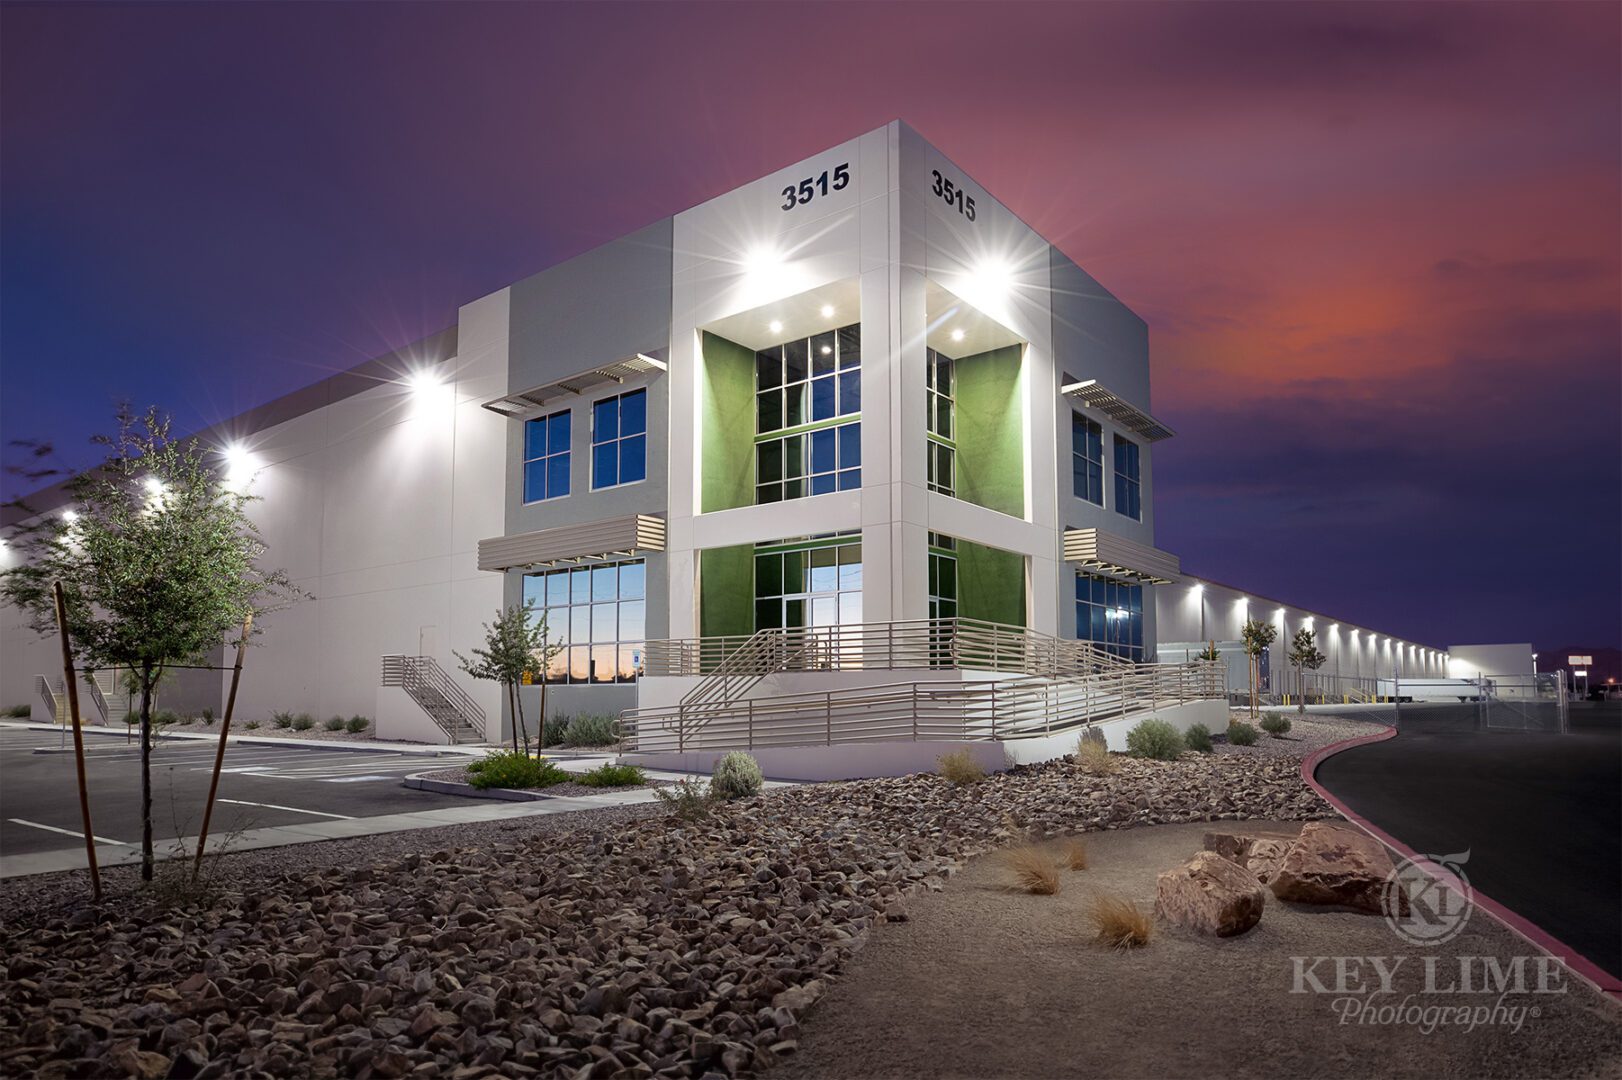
[{"x": 852, "y": 429}]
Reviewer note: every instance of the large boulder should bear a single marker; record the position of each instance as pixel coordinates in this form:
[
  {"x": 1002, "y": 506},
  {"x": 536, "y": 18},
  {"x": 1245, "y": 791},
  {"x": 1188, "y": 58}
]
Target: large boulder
[
  {"x": 1210, "y": 894},
  {"x": 1260, "y": 853},
  {"x": 1333, "y": 864}
]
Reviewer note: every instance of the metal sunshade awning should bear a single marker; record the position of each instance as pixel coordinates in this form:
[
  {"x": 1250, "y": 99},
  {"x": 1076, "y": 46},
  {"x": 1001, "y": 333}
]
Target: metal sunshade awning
[
  {"x": 1096, "y": 396},
  {"x": 539, "y": 397},
  {"x": 1107, "y": 553},
  {"x": 590, "y": 541}
]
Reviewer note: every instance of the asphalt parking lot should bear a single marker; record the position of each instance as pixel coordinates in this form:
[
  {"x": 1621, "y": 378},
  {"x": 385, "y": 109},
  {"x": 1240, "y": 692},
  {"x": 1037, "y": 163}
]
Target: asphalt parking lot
[
  {"x": 1539, "y": 814},
  {"x": 262, "y": 785}
]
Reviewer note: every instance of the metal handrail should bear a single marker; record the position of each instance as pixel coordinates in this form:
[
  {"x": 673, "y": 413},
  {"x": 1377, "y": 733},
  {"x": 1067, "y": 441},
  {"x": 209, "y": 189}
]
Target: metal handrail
[
  {"x": 47, "y": 697},
  {"x": 96, "y": 697},
  {"x": 1014, "y": 708},
  {"x": 421, "y": 677},
  {"x": 936, "y": 644}
]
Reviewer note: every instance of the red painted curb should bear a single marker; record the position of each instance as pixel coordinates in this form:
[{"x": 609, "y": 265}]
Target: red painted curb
[{"x": 1585, "y": 968}]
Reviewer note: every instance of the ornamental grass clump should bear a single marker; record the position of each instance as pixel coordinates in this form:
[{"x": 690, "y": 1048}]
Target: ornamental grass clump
[
  {"x": 282, "y": 720},
  {"x": 688, "y": 800},
  {"x": 303, "y": 722},
  {"x": 961, "y": 768},
  {"x": 1074, "y": 854},
  {"x": 334, "y": 723},
  {"x": 591, "y": 731},
  {"x": 1155, "y": 739},
  {"x": 506, "y": 769},
  {"x": 737, "y": 776},
  {"x": 1028, "y": 868},
  {"x": 356, "y": 724},
  {"x": 1118, "y": 922},
  {"x": 1198, "y": 738},
  {"x": 1093, "y": 757},
  {"x": 1242, "y": 734}
]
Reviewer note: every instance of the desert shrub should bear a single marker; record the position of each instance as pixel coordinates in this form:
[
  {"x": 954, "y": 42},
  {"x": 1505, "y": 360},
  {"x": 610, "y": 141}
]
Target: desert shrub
[
  {"x": 1119, "y": 923},
  {"x": 164, "y": 717},
  {"x": 1275, "y": 724},
  {"x": 614, "y": 776},
  {"x": 1074, "y": 854},
  {"x": 1093, "y": 756},
  {"x": 1154, "y": 738},
  {"x": 207, "y": 716},
  {"x": 282, "y": 719},
  {"x": 688, "y": 800},
  {"x": 553, "y": 730},
  {"x": 507, "y": 769},
  {"x": 1198, "y": 737},
  {"x": 15, "y": 712},
  {"x": 736, "y": 776},
  {"x": 961, "y": 768},
  {"x": 1242, "y": 734},
  {"x": 334, "y": 723},
  {"x": 588, "y": 730},
  {"x": 1030, "y": 869},
  {"x": 356, "y": 724},
  {"x": 251, "y": 725},
  {"x": 303, "y": 722}
]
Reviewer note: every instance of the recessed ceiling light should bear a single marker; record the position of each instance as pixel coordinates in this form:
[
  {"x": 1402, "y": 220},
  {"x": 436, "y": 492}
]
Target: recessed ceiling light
[
  {"x": 957, "y": 335},
  {"x": 775, "y": 326},
  {"x": 827, "y": 311},
  {"x": 827, "y": 350}
]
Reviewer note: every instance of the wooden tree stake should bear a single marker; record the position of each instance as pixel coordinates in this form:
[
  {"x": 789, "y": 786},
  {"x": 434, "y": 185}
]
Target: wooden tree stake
[
  {"x": 219, "y": 755},
  {"x": 72, "y": 685}
]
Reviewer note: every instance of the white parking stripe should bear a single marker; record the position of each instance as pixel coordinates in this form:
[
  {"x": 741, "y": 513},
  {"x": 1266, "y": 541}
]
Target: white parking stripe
[
  {"x": 294, "y": 809},
  {"x": 65, "y": 832}
]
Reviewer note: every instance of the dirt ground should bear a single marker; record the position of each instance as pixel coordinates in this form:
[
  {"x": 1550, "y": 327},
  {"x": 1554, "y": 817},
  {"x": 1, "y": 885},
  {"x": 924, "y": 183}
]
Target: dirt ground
[{"x": 982, "y": 982}]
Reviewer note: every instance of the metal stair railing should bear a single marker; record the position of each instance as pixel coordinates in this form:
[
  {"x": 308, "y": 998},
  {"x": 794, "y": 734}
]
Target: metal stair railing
[
  {"x": 436, "y": 693},
  {"x": 1016, "y": 708},
  {"x": 97, "y": 700},
  {"x": 53, "y": 699}
]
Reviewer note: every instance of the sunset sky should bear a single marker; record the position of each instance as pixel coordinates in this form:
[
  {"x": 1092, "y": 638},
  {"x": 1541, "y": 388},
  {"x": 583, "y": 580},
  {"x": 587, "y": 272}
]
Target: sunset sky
[{"x": 1377, "y": 245}]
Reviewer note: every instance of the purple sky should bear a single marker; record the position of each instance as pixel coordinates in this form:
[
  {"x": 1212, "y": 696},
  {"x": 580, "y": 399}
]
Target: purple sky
[{"x": 1377, "y": 245}]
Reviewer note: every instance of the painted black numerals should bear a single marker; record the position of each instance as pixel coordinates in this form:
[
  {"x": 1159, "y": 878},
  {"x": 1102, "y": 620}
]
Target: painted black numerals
[
  {"x": 953, "y": 194},
  {"x": 812, "y": 186}
]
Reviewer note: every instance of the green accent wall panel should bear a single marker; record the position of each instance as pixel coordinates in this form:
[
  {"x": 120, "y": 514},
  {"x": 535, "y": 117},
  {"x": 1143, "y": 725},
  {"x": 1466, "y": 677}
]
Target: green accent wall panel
[
  {"x": 991, "y": 430},
  {"x": 990, "y": 584},
  {"x": 726, "y": 586},
  {"x": 727, "y": 468}
]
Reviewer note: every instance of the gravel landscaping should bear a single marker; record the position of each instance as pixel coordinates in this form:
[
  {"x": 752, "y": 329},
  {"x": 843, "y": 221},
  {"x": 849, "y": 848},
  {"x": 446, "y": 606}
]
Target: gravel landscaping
[
  {"x": 627, "y": 943},
  {"x": 1313, "y": 731}
]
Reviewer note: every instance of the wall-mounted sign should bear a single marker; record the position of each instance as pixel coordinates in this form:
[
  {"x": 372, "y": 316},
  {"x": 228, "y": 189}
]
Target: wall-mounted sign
[
  {"x": 1581, "y": 673},
  {"x": 1579, "y": 661},
  {"x": 812, "y": 186},
  {"x": 952, "y": 193}
]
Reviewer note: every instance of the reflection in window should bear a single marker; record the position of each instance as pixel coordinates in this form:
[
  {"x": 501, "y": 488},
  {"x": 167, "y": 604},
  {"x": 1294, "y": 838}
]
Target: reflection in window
[
  {"x": 619, "y": 440},
  {"x": 1109, "y": 613},
  {"x": 546, "y": 457},
  {"x": 799, "y": 586},
  {"x": 1087, "y": 458},
  {"x": 809, "y": 383},
  {"x": 598, "y": 614},
  {"x": 942, "y": 577},
  {"x": 1128, "y": 485},
  {"x": 941, "y": 403}
]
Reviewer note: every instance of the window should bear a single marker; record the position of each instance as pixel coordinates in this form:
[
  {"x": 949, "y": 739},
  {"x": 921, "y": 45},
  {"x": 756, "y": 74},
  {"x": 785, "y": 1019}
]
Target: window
[
  {"x": 546, "y": 457},
  {"x": 805, "y": 390},
  {"x": 1109, "y": 613},
  {"x": 941, "y": 421},
  {"x": 942, "y": 577},
  {"x": 1128, "y": 488},
  {"x": 598, "y": 614},
  {"x": 813, "y": 583},
  {"x": 1087, "y": 458},
  {"x": 619, "y": 440}
]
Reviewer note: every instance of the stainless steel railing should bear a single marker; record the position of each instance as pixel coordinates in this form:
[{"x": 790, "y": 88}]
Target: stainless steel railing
[{"x": 433, "y": 689}]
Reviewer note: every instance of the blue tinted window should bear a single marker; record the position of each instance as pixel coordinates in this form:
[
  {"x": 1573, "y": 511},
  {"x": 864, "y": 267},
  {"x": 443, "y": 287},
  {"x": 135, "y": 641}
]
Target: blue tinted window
[
  {"x": 546, "y": 457},
  {"x": 619, "y": 445},
  {"x": 822, "y": 451},
  {"x": 850, "y": 445},
  {"x": 1128, "y": 485},
  {"x": 1109, "y": 613},
  {"x": 598, "y": 615},
  {"x": 1087, "y": 459},
  {"x": 819, "y": 380},
  {"x": 850, "y": 391}
]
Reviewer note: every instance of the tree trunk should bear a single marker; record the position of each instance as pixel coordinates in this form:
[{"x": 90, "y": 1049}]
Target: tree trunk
[
  {"x": 512, "y": 709},
  {"x": 146, "y": 772},
  {"x": 540, "y": 731},
  {"x": 1301, "y": 686},
  {"x": 1254, "y": 677},
  {"x": 518, "y": 704}
]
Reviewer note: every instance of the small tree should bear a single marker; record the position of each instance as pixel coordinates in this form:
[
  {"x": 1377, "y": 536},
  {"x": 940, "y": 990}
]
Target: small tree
[
  {"x": 515, "y": 649},
  {"x": 1305, "y": 656},
  {"x": 1257, "y": 636},
  {"x": 158, "y": 564},
  {"x": 1209, "y": 654}
]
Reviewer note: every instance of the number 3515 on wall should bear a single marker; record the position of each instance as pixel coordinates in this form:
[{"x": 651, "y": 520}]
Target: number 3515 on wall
[
  {"x": 953, "y": 194},
  {"x": 809, "y": 188}
]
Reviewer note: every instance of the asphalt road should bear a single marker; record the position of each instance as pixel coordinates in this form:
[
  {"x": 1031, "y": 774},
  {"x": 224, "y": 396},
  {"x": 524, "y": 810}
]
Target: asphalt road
[
  {"x": 261, "y": 786},
  {"x": 1540, "y": 815}
]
